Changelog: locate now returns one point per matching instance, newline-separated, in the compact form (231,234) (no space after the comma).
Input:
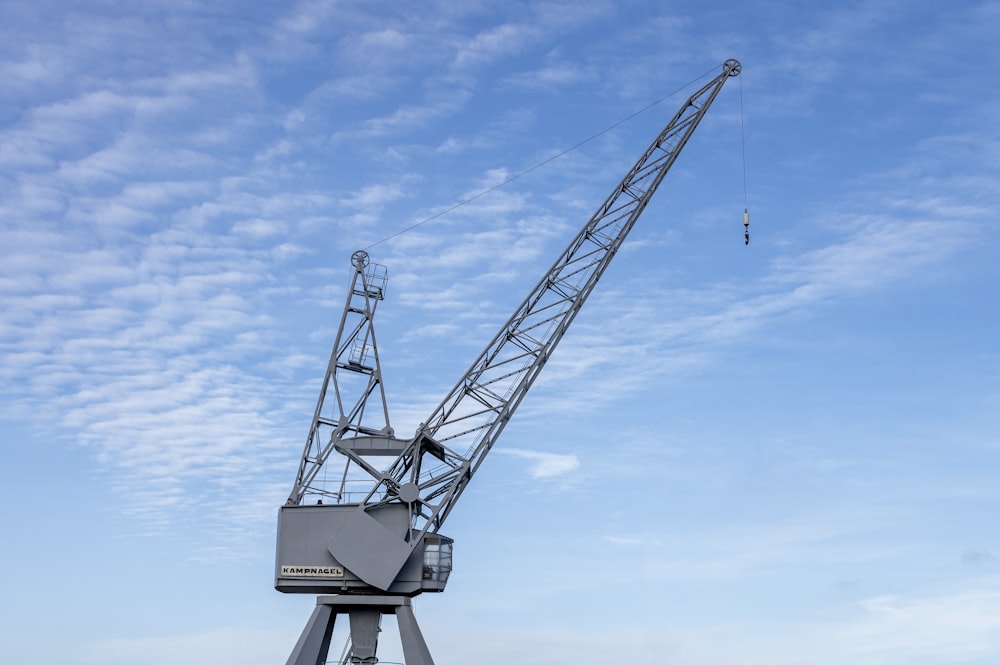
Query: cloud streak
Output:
(545,465)
(163,227)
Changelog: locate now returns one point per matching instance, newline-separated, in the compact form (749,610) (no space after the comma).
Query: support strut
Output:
(365,614)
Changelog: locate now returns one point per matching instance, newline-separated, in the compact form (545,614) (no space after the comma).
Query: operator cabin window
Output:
(437,561)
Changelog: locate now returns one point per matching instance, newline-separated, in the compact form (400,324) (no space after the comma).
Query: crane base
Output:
(364,613)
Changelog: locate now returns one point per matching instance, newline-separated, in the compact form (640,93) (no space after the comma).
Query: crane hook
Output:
(746,227)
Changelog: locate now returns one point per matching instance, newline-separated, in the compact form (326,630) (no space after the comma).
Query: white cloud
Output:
(137,260)
(956,626)
(374,196)
(624,540)
(494,43)
(551,77)
(260,228)
(407,117)
(545,465)
(220,646)
(670,330)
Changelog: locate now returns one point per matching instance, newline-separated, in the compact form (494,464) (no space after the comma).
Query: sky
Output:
(781,453)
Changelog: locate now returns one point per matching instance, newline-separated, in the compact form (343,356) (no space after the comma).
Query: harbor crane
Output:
(361,528)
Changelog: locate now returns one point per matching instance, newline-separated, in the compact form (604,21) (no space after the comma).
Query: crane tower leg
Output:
(365,615)
(415,651)
(314,643)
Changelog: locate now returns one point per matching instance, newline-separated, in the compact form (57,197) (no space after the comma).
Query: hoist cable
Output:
(743,154)
(743,145)
(542,163)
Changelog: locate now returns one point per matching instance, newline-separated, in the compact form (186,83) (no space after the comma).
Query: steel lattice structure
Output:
(463,428)
(371,534)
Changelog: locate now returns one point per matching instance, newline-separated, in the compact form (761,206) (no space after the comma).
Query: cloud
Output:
(374,196)
(131,349)
(435,330)
(143,216)
(955,626)
(551,77)
(494,43)
(979,558)
(545,465)
(668,331)
(407,117)
(221,646)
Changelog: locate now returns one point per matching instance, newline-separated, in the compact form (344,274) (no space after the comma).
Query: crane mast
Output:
(373,531)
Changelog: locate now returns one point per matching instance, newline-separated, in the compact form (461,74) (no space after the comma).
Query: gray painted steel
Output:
(310,538)
(374,529)
(365,614)
(314,643)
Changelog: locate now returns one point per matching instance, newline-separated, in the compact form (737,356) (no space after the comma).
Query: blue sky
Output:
(784,453)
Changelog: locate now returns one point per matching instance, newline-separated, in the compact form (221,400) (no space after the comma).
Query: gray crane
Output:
(367,540)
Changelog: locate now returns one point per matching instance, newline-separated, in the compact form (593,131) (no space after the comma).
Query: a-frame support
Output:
(364,613)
